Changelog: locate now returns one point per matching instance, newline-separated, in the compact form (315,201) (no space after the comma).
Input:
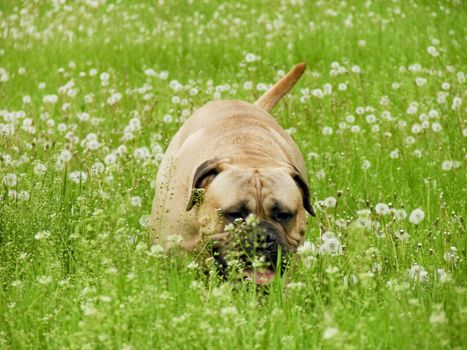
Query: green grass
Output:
(93,282)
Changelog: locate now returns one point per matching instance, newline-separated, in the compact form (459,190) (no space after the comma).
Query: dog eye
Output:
(283,217)
(234,215)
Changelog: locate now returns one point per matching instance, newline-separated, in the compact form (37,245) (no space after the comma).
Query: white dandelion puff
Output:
(331,246)
(327,130)
(400,214)
(394,154)
(317,93)
(65,156)
(78,177)
(23,196)
(10,180)
(145,220)
(250,57)
(418,273)
(446,165)
(330,333)
(307,248)
(416,216)
(456,102)
(432,51)
(366,164)
(44,280)
(42,235)
(330,202)
(136,201)
(382,209)
(436,127)
(420,81)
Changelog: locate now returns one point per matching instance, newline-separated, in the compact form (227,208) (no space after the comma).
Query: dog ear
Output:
(303,186)
(204,174)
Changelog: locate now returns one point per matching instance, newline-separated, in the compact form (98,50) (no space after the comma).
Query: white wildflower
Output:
(443,276)
(142,153)
(456,102)
(394,154)
(44,280)
(250,57)
(416,216)
(355,129)
(327,130)
(296,285)
(327,235)
(356,69)
(451,255)
(110,159)
(418,273)
(307,248)
(229,311)
(10,180)
(42,235)
(136,201)
(412,110)
(156,250)
(65,156)
(23,196)
(330,333)
(382,209)
(331,246)
(317,93)
(330,202)
(400,214)
(436,127)
(438,317)
(420,81)
(192,265)
(78,177)
(366,164)
(432,51)
(145,220)
(446,165)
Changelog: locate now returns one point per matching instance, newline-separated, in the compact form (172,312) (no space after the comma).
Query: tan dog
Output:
(246,163)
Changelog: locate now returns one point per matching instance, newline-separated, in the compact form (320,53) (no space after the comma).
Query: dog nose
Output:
(267,236)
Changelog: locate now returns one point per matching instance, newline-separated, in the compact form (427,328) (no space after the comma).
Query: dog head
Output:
(275,192)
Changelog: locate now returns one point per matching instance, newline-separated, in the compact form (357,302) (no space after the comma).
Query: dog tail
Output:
(281,88)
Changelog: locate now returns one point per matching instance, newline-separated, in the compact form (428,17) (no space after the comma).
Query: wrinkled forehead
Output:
(250,187)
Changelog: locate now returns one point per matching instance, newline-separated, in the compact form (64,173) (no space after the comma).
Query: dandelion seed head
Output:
(330,202)
(78,177)
(394,154)
(366,164)
(65,156)
(10,180)
(42,235)
(416,216)
(418,274)
(432,51)
(330,333)
(382,209)
(250,57)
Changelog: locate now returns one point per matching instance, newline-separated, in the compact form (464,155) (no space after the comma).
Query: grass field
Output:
(92,91)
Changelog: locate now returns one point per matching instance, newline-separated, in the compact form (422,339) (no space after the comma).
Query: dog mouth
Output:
(261,277)
(260,269)
(252,252)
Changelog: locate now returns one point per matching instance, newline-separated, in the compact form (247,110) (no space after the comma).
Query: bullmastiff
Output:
(231,159)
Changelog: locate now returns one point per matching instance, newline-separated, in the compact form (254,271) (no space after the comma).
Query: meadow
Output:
(91,92)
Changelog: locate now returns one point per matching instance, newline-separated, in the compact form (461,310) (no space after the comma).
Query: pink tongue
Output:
(260,276)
